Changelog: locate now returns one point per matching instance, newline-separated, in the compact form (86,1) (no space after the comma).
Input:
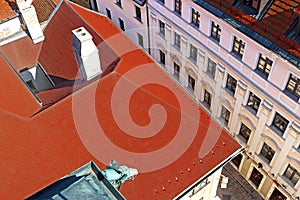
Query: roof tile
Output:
(62,137)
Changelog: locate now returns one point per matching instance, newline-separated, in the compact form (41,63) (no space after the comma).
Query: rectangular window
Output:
(121,22)
(264,65)
(162,28)
(162,57)
(195,17)
(138,14)
(176,70)
(211,68)
(276,194)
(292,174)
(231,84)
(161,1)
(293,87)
(215,31)
(108,13)
(177,40)
(191,83)
(178,7)
(280,123)
(193,53)
(36,78)
(267,152)
(245,132)
(237,160)
(253,102)
(119,3)
(238,47)
(225,115)
(141,40)
(256,177)
(252,3)
(207,98)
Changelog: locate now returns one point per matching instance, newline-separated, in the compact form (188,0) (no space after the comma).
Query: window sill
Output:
(237,56)
(163,65)
(192,60)
(194,26)
(190,90)
(162,36)
(242,139)
(119,5)
(261,74)
(210,75)
(291,95)
(223,123)
(177,14)
(138,19)
(206,105)
(251,110)
(231,93)
(288,181)
(276,130)
(176,77)
(176,47)
(161,3)
(215,40)
(265,161)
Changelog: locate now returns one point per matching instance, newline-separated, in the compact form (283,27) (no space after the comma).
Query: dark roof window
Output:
(294,32)
(36,78)
(255,8)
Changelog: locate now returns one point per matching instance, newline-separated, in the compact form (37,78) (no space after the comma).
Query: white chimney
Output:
(30,18)
(86,54)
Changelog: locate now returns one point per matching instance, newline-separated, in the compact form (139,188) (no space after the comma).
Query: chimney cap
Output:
(23,4)
(82,34)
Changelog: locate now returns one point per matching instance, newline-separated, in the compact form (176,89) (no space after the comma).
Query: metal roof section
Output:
(246,26)
(87,183)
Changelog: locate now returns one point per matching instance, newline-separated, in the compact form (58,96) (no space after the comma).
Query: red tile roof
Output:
(14,96)
(179,144)
(274,25)
(7,10)
(43,8)
(22,53)
(62,22)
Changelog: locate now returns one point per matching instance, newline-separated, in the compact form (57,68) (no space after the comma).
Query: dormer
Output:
(254,8)
(36,78)
(294,31)
(297,30)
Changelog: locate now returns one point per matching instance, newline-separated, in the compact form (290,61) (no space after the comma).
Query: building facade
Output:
(244,77)
(46,98)
(247,87)
(130,16)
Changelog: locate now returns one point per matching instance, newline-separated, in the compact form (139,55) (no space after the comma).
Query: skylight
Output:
(36,78)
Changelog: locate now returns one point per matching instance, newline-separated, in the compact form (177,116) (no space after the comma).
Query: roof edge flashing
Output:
(208,174)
